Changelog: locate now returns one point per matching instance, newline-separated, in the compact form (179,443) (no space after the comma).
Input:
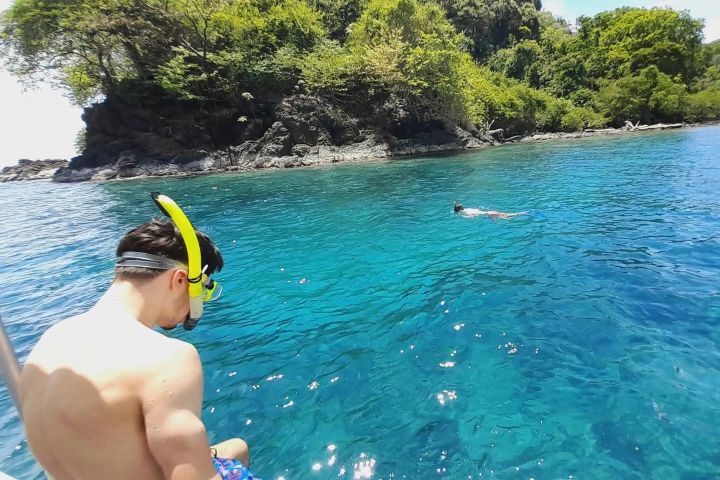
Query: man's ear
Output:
(179,279)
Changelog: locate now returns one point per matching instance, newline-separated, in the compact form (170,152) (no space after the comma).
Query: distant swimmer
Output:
(476,212)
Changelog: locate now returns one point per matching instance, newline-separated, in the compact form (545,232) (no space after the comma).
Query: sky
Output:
(707,9)
(41,123)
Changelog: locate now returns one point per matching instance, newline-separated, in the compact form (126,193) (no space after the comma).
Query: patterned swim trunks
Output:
(231,469)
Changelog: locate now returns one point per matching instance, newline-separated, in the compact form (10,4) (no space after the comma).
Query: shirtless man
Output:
(476,212)
(105,396)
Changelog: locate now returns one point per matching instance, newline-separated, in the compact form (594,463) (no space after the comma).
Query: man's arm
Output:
(171,405)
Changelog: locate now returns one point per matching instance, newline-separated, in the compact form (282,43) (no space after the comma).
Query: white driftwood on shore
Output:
(602,130)
(630,127)
(659,126)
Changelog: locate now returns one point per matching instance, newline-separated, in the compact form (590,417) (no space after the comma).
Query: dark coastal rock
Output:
(170,137)
(31,170)
(70,175)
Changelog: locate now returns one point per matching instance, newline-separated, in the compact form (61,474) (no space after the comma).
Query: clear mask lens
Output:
(211,289)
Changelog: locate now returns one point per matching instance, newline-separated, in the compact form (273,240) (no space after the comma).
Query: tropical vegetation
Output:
(475,63)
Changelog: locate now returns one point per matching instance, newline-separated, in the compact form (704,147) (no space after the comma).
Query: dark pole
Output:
(9,367)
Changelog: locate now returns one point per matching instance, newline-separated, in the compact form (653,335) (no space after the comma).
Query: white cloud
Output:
(555,7)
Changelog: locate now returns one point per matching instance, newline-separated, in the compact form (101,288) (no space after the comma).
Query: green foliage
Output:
(294,22)
(647,97)
(329,68)
(411,19)
(417,55)
(403,48)
(580,118)
(529,110)
(627,40)
(521,61)
(85,45)
(494,24)
(629,64)
(709,80)
(80,140)
(181,75)
(711,54)
(81,87)
(562,65)
(704,105)
(518,108)
(198,49)
(234,44)
(338,15)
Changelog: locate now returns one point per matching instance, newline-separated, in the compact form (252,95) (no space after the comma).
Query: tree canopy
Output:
(457,62)
(628,64)
(494,24)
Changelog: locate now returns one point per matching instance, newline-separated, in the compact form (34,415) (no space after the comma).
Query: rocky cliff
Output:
(127,139)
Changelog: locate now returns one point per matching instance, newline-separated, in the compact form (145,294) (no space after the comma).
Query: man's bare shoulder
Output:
(176,352)
(130,344)
(178,369)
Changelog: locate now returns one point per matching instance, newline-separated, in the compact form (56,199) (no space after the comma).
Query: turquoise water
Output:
(367,332)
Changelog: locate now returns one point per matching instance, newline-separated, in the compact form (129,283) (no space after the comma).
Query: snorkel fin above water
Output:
(195,274)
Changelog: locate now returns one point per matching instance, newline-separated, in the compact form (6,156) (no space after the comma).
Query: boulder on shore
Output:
(32,170)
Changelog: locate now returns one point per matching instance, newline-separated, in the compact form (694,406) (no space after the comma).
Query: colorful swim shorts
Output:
(231,469)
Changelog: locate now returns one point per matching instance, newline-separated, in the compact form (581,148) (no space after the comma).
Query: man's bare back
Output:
(90,381)
(103,395)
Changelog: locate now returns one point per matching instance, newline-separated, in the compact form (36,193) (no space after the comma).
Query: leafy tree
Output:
(338,15)
(703,105)
(555,62)
(408,50)
(627,40)
(88,46)
(522,61)
(710,79)
(231,46)
(415,60)
(329,69)
(711,54)
(199,49)
(647,97)
(494,24)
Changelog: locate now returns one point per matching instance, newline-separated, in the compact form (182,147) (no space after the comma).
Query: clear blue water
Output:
(366,329)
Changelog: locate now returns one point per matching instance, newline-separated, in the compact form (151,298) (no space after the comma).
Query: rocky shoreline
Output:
(167,137)
(32,170)
(258,155)
(276,149)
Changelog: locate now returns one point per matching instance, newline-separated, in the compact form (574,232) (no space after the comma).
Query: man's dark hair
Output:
(457,207)
(161,237)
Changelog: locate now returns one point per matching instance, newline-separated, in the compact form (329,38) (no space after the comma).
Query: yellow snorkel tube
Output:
(195,272)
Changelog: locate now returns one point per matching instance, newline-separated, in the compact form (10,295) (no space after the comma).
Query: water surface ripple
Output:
(367,332)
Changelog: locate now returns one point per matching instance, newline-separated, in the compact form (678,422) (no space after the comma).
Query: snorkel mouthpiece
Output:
(195,274)
(189,324)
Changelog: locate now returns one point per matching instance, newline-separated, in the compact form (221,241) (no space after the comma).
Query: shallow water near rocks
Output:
(366,331)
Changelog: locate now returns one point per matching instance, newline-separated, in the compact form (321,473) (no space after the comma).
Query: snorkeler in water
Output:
(476,212)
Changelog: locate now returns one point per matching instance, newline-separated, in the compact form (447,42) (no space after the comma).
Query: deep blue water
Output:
(366,329)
